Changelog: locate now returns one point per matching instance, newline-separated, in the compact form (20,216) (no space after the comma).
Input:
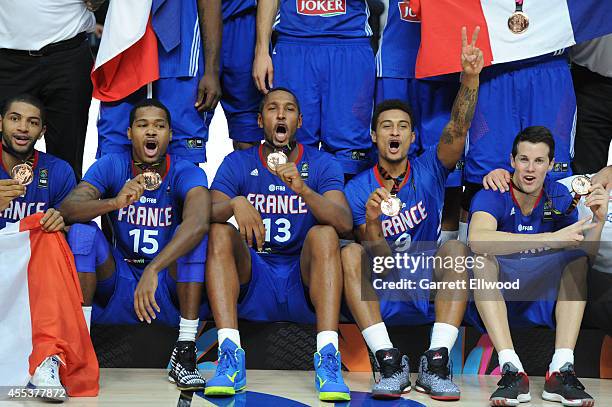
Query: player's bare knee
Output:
(323,240)
(486,267)
(220,238)
(352,256)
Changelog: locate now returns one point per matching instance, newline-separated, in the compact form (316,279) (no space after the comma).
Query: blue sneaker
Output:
(230,376)
(328,375)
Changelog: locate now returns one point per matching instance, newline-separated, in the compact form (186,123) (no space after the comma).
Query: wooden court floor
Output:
(149,387)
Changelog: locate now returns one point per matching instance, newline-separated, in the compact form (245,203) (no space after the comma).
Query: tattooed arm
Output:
(452,141)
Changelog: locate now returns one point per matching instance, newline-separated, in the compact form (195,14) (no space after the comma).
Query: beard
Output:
(23,156)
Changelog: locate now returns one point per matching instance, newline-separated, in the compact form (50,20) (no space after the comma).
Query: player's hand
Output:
(603,177)
(209,92)
(130,193)
(144,296)
(472,59)
(597,201)
(288,173)
(249,222)
(570,236)
(52,221)
(497,180)
(263,72)
(9,190)
(373,210)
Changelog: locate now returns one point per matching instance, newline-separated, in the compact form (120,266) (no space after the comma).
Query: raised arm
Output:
(211,31)
(84,204)
(263,72)
(452,140)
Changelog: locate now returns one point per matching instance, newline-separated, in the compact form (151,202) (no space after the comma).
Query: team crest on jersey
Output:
(304,171)
(406,12)
(43,178)
(321,8)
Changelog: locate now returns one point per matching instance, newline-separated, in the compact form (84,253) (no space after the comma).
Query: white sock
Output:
(377,337)
(188,328)
(561,357)
(326,337)
(447,235)
(443,336)
(463,232)
(230,333)
(87,315)
(509,355)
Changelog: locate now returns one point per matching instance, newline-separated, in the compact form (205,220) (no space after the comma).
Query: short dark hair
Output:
(30,100)
(148,103)
(277,89)
(535,134)
(391,104)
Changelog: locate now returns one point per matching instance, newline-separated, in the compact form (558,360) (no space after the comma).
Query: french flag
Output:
(553,26)
(40,309)
(127,58)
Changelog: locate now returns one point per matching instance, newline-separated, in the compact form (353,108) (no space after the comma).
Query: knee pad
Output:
(88,245)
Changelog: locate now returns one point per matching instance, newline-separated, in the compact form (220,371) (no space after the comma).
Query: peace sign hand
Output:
(472,59)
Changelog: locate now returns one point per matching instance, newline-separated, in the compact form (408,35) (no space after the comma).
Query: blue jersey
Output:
(141,230)
(177,27)
(422,196)
(323,18)
(285,215)
(548,214)
(53,180)
(232,8)
(399,42)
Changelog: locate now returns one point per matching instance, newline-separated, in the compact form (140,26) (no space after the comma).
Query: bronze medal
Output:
(23,173)
(391,206)
(152,180)
(581,185)
(518,22)
(275,159)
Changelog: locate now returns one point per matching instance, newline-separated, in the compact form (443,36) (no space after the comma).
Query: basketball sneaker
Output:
(564,387)
(183,367)
(230,376)
(394,374)
(328,375)
(47,376)
(436,376)
(513,387)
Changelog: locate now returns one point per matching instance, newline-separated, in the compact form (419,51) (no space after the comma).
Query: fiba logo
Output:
(406,13)
(525,228)
(273,188)
(144,199)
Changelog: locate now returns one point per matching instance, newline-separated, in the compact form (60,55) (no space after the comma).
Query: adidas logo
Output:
(388,356)
(512,212)
(255,173)
(437,356)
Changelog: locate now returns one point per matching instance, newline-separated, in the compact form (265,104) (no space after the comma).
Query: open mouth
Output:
(150,148)
(394,146)
(21,140)
(529,179)
(280,132)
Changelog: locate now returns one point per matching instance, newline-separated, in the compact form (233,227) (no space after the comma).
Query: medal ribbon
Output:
(518,6)
(284,149)
(396,181)
(28,160)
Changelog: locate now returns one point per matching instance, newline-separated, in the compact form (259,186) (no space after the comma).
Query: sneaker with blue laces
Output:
(230,376)
(328,375)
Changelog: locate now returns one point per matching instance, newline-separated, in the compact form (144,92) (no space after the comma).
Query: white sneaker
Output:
(46,376)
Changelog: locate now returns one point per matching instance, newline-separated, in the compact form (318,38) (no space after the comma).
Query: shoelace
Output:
(508,379)
(330,365)
(227,360)
(442,371)
(570,379)
(50,367)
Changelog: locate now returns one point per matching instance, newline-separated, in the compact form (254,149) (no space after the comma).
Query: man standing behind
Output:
(288,202)
(44,51)
(324,55)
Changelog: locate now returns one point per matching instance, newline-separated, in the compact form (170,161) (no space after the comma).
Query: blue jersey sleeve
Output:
(357,197)
(64,181)
(330,175)
(228,178)
(187,177)
(488,201)
(101,173)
